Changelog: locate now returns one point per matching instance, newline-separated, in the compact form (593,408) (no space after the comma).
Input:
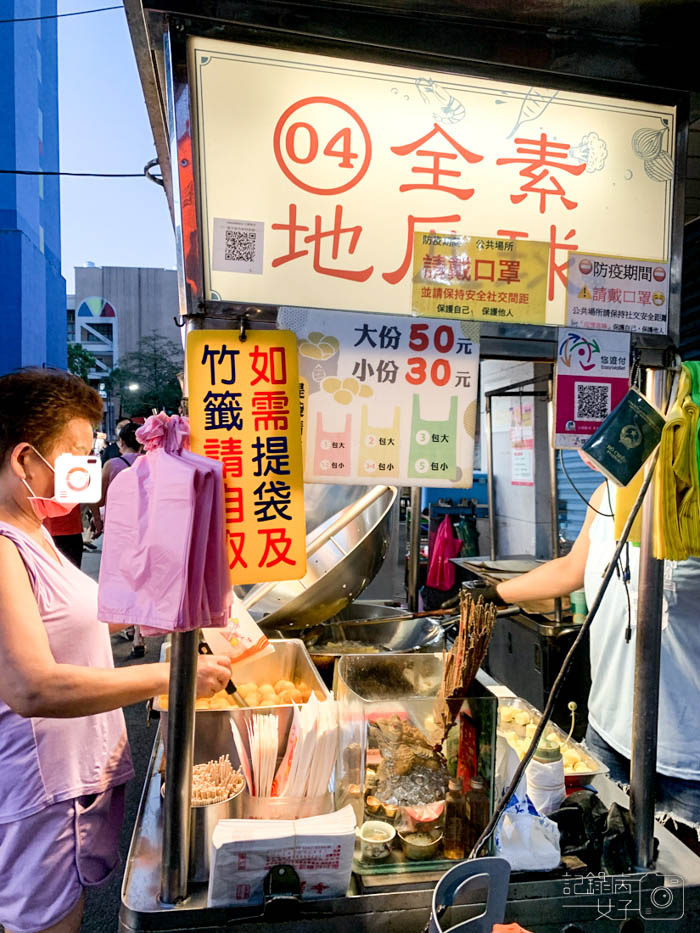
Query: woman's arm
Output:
(557,577)
(34,684)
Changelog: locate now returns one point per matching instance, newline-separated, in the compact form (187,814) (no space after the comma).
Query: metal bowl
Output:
(421,845)
(353,544)
(359,629)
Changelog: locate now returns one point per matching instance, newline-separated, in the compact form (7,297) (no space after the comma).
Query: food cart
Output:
(206,128)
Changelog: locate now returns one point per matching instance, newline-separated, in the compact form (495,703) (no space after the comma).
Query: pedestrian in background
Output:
(67,533)
(112,449)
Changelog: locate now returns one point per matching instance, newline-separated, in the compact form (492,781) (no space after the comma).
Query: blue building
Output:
(32,289)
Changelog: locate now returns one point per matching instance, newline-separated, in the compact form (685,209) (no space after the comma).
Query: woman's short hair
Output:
(36,404)
(127,435)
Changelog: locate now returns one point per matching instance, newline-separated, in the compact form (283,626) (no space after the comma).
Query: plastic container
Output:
(578,606)
(285,808)
(545,778)
(455,821)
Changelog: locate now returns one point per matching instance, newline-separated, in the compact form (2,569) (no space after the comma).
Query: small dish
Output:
(419,846)
(376,839)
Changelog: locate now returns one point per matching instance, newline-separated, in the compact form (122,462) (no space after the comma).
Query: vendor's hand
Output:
(213,673)
(477,588)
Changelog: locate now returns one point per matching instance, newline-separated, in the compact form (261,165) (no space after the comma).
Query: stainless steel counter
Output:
(543,905)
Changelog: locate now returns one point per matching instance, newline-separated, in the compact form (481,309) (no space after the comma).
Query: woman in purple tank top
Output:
(64,754)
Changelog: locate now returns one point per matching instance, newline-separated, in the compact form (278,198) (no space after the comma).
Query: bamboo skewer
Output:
(214,782)
(464,659)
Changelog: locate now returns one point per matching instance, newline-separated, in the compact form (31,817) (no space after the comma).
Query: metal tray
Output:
(212,729)
(573,778)
(289,661)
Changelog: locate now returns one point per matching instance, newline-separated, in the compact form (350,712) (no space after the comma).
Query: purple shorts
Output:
(48,858)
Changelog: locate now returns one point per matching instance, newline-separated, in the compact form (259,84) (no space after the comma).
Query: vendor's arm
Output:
(557,577)
(34,684)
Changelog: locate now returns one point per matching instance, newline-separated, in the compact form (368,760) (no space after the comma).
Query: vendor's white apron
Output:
(612,658)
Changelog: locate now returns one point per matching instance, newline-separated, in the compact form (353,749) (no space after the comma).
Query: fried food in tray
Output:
(281,693)
(517,720)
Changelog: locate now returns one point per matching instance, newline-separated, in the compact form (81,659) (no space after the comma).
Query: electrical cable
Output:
(556,686)
(32,19)
(18,171)
(623,574)
(578,491)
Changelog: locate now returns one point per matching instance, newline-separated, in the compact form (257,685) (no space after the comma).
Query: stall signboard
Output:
(613,293)
(244,412)
(522,444)
(318,178)
(386,399)
(481,278)
(592,376)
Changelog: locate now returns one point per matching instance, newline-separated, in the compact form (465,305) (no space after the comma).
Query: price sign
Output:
(386,399)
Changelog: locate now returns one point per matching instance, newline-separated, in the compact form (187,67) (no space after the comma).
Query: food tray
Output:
(573,778)
(212,728)
(289,661)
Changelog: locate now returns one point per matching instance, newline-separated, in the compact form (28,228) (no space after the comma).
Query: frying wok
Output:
(343,555)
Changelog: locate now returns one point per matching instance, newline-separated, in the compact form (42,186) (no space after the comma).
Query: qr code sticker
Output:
(591,401)
(238,246)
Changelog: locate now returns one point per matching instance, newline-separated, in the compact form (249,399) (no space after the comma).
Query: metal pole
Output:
(553,492)
(183,648)
(489,480)
(178,766)
(646,676)
(414,550)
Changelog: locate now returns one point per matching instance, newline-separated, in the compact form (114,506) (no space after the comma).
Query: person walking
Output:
(67,533)
(64,752)
(111,450)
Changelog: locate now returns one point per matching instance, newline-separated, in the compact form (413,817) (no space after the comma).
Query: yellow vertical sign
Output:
(244,412)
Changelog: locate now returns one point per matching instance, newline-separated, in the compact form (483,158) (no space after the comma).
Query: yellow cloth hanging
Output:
(625,497)
(677,492)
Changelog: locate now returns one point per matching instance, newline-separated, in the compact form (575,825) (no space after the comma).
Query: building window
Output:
(41,186)
(40,124)
(38,64)
(41,239)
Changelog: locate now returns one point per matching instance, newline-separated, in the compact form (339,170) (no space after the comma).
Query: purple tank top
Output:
(43,761)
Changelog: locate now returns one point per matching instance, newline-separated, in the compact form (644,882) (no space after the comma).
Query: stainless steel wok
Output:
(343,555)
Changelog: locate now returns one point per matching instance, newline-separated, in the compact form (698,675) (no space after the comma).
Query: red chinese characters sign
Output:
(316,199)
(244,412)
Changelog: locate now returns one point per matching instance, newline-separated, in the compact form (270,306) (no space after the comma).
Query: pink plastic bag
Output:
(441,571)
(164,557)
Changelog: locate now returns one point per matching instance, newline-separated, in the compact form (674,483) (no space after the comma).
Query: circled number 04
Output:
(341,139)
(440,371)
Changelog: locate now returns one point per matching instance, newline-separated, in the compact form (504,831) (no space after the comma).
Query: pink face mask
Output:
(43,507)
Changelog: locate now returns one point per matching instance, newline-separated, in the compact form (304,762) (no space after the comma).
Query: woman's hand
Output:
(213,673)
